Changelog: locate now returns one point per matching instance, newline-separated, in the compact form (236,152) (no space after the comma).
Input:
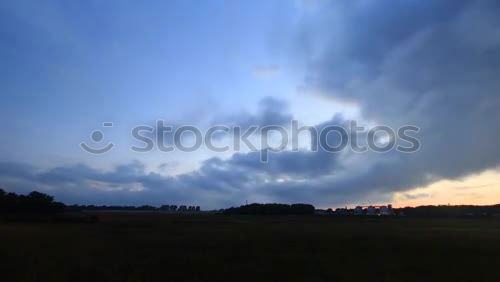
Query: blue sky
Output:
(70,66)
(67,67)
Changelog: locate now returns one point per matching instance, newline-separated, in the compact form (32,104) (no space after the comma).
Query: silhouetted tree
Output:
(34,202)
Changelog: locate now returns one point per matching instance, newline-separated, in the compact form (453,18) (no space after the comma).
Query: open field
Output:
(162,247)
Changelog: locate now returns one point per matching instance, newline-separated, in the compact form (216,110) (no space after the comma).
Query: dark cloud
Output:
(270,111)
(286,177)
(430,64)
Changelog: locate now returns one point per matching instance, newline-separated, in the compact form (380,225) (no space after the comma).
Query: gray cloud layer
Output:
(432,64)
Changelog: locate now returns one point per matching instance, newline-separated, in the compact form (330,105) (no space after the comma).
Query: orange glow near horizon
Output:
(478,189)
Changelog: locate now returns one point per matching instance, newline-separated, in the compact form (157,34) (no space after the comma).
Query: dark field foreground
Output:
(161,247)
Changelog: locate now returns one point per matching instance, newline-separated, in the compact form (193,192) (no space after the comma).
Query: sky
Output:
(67,67)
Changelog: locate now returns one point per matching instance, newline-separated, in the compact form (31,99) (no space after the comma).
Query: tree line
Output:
(34,202)
(450,211)
(40,203)
(272,209)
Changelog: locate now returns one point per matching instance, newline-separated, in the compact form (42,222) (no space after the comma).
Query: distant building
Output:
(341,212)
(320,212)
(358,210)
(386,210)
(371,210)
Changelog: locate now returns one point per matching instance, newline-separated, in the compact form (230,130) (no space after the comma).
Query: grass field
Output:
(162,247)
